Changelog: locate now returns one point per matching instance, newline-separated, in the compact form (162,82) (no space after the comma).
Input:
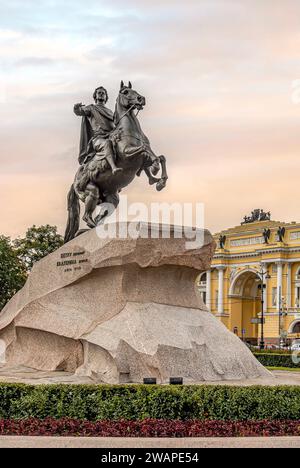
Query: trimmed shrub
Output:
(142,402)
(276,360)
(271,351)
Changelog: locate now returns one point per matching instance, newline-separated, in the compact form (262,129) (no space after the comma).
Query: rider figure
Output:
(97,124)
(96,148)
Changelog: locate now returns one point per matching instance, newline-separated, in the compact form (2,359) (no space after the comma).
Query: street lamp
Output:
(263,275)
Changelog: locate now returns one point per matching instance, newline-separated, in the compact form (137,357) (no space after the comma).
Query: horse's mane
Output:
(116,116)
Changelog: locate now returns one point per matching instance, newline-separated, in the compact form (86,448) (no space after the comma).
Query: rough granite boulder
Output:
(121,309)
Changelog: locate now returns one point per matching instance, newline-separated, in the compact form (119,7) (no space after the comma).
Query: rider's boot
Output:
(111,162)
(110,157)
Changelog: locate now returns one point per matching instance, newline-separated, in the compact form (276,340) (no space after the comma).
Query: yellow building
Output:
(259,255)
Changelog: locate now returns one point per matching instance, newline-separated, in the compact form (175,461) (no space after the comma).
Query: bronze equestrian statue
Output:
(113,150)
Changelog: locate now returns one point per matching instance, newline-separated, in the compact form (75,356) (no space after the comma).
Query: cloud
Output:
(217,76)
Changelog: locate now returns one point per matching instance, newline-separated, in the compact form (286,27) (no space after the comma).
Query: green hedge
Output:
(271,351)
(138,402)
(276,360)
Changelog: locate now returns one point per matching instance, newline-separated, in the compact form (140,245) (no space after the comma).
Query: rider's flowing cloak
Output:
(86,132)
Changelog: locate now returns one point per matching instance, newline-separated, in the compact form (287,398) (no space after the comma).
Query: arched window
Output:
(297,298)
(295,327)
(203,279)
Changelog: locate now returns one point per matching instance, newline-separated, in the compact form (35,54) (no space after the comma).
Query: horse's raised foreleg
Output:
(152,170)
(152,180)
(163,162)
(164,175)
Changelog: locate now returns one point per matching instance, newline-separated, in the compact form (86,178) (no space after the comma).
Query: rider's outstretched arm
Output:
(81,110)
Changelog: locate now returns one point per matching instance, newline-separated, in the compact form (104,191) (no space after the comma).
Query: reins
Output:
(128,110)
(125,113)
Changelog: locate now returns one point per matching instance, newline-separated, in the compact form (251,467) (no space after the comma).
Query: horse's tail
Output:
(73,216)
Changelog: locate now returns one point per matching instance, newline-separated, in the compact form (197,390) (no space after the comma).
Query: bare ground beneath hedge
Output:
(32,376)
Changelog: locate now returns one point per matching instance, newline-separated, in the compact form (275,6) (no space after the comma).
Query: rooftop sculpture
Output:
(257,215)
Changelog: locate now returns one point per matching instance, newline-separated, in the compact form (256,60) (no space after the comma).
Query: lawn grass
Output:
(287,369)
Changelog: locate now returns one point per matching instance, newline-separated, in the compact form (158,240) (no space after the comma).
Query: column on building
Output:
(289,285)
(208,289)
(265,294)
(296,302)
(221,269)
(279,285)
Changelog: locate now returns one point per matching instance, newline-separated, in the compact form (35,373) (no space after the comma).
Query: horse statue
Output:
(97,184)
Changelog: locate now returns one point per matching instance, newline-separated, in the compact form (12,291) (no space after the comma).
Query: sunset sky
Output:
(218,77)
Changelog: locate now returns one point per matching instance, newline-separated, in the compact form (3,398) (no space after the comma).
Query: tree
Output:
(12,271)
(37,243)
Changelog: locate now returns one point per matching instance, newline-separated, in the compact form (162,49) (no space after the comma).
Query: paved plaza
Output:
(31,376)
(111,442)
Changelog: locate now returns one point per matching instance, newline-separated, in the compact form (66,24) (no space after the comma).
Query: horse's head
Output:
(129,98)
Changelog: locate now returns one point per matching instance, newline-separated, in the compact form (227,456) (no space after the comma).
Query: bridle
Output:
(127,112)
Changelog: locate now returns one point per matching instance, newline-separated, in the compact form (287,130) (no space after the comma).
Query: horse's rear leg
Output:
(91,200)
